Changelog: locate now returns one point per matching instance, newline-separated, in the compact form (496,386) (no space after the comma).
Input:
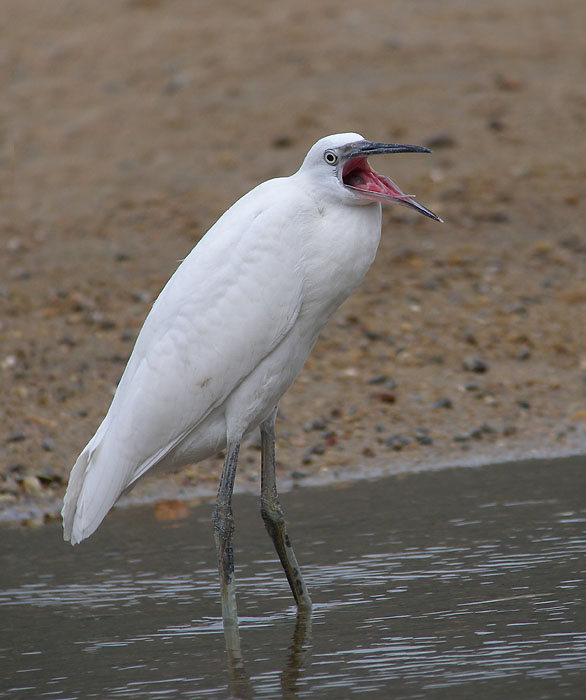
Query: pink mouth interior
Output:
(360,176)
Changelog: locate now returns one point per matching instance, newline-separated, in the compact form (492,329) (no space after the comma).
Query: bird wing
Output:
(229,304)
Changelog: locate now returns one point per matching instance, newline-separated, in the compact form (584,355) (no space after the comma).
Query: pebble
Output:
(315,425)
(443,139)
(422,436)
(319,448)
(371,335)
(397,442)
(31,485)
(444,402)
(298,475)
(476,433)
(378,379)
(282,142)
(473,363)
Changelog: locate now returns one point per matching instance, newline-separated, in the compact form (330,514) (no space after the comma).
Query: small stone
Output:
(444,402)
(498,217)
(47,445)
(330,438)
(508,83)
(442,139)
(298,475)
(509,430)
(282,142)
(31,485)
(397,442)
(68,340)
(473,363)
(496,124)
(143,297)
(319,448)
(16,437)
(20,273)
(387,397)
(524,404)
(371,335)
(378,379)
(422,436)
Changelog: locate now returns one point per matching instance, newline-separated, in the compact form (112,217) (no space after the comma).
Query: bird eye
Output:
(330,158)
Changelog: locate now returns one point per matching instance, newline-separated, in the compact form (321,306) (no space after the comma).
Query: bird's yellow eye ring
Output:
(330,158)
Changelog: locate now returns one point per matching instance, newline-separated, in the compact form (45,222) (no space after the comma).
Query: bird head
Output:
(340,165)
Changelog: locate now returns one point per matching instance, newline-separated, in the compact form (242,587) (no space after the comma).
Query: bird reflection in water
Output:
(240,684)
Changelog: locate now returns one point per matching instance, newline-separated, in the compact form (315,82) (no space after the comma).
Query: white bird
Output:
(230,332)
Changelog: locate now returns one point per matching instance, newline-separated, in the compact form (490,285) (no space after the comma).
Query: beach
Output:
(130,127)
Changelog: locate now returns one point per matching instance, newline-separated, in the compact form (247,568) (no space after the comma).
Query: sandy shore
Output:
(131,126)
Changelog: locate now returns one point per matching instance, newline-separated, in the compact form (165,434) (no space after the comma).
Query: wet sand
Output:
(131,126)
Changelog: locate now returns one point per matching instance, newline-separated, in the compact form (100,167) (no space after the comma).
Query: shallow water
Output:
(448,584)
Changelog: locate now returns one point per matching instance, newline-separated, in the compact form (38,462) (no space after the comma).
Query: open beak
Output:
(358,176)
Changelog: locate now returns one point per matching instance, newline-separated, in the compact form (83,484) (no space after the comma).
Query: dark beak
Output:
(373,148)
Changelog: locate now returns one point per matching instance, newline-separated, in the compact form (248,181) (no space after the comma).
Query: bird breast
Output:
(336,257)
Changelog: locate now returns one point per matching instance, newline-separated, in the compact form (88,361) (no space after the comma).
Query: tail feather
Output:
(70,502)
(90,493)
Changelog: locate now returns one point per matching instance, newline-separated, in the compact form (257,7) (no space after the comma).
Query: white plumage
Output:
(235,323)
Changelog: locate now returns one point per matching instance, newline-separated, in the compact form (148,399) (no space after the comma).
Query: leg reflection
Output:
(299,645)
(240,686)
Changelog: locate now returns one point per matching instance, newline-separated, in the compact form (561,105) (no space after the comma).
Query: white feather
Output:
(229,332)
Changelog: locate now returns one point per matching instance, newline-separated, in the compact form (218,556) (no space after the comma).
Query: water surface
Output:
(448,584)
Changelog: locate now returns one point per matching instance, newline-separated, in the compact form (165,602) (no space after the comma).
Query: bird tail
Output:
(83,507)
(69,510)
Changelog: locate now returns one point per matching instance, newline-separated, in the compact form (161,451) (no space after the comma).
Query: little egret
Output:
(230,332)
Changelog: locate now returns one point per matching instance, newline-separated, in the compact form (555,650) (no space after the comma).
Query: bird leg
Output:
(273,517)
(223,530)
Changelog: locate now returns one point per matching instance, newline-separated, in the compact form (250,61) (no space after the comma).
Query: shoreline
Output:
(153,491)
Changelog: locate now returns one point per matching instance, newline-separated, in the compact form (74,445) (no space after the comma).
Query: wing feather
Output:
(229,304)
